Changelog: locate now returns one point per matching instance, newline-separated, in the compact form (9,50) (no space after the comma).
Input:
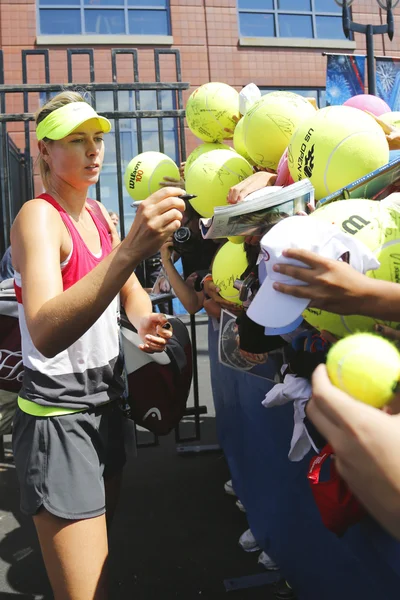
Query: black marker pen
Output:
(185,197)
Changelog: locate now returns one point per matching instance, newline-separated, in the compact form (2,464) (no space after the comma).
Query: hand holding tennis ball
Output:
(365,366)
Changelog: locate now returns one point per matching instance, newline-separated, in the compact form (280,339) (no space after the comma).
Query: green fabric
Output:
(36,410)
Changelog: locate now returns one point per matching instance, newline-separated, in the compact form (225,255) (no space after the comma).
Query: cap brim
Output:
(283,330)
(64,120)
(271,308)
(63,131)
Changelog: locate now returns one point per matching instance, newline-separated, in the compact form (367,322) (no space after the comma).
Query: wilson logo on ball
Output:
(135,176)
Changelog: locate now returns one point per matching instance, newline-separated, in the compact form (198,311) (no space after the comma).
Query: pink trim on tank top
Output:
(82,260)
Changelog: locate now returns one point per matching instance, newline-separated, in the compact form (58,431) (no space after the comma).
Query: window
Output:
(320,19)
(317,93)
(104,17)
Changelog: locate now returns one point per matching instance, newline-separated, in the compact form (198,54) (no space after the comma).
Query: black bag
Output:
(159,383)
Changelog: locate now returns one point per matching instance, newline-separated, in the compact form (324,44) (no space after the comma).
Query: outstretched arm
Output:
(366,442)
(335,286)
(57,318)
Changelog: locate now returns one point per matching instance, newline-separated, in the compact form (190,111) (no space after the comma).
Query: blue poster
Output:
(345,77)
(388,81)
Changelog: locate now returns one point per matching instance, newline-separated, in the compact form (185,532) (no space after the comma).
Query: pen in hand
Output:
(185,197)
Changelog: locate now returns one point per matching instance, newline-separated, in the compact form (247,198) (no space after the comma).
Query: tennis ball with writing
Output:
(365,366)
(229,264)
(336,146)
(211,176)
(210,110)
(238,142)
(269,124)
(145,171)
(206,147)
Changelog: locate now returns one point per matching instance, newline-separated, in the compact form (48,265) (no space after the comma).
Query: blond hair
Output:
(58,101)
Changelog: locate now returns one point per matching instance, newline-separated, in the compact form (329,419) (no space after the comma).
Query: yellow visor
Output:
(62,121)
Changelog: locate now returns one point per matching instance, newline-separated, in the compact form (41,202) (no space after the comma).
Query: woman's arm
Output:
(335,286)
(191,300)
(254,182)
(134,298)
(57,318)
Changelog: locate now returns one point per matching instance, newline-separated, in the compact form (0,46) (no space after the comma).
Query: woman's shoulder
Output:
(38,213)
(38,206)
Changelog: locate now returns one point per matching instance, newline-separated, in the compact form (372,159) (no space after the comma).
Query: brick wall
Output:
(205,31)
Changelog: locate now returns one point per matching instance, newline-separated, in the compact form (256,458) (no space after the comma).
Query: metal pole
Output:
(370,60)
(369,31)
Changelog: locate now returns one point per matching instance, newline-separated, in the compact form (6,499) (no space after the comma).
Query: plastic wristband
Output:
(208,277)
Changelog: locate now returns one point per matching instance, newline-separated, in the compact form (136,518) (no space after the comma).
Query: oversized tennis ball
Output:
(391,118)
(145,171)
(228,265)
(336,146)
(210,110)
(378,227)
(369,102)
(365,366)
(211,176)
(238,142)
(206,147)
(270,123)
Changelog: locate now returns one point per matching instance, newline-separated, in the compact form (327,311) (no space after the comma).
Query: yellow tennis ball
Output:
(270,123)
(236,239)
(336,146)
(211,176)
(206,147)
(145,171)
(391,118)
(228,265)
(238,142)
(210,110)
(365,366)
(378,227)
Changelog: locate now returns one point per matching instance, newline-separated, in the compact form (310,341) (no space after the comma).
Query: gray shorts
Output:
(62,462)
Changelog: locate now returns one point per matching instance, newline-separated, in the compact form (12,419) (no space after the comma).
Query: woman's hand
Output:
(392,133)
(366,442)
(212,291)
(257,181)
(332,285)
(152,333)
(166,251)
(231,131)
(157,218)
(172,182)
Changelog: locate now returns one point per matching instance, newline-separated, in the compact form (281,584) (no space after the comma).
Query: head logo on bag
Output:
(159,384)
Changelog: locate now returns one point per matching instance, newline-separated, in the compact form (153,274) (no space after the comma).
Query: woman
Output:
(68,439)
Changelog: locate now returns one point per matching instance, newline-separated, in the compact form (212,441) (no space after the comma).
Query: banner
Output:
(388,81)
(345,77)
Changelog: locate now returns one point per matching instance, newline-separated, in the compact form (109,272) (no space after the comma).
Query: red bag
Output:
(338,507)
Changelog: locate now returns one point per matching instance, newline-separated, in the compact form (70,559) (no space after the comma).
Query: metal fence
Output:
(17,172)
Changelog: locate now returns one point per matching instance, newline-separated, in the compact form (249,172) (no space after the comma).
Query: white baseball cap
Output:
(274,309)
